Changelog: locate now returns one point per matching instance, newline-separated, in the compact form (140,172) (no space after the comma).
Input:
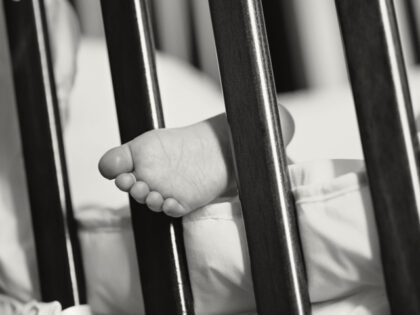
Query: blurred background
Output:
(304,37)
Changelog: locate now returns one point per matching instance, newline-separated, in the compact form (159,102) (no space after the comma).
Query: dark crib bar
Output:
(264,188)
(283,39)
(57,247)
(390,144)
(159,238)
(413,16)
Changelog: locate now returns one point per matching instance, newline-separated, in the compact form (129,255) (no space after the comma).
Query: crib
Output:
(377,74)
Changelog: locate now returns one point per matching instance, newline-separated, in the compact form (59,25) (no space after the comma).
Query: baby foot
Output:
(174,170)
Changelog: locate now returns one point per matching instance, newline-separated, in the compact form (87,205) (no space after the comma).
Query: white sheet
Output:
(325,128)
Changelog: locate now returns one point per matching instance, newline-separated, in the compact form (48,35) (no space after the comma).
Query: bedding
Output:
(334,207)
(337,230)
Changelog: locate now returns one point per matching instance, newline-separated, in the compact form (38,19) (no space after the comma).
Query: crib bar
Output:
(283,40)
(159,239)
(264,188)
(390,144)
(57,247)
(412,8)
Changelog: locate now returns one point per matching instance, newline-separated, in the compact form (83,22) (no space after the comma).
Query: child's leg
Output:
(178,170)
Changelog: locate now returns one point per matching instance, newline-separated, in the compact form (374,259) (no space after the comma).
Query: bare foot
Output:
(178,170)
(174,170)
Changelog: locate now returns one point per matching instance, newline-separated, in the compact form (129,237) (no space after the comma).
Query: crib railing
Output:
(57,248)
(386,122)
(264,188)
(412,7)
(390,144)
(159,239)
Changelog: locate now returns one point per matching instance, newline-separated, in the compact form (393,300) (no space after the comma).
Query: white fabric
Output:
(214,279)
(326,124)
(184,92)
(10,306)
(110,261)
(77,310)
(336,227)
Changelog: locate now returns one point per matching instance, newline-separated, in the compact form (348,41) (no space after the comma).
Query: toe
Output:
(139,191)
(116,161)
(125,181)
(173,208)
(154,201)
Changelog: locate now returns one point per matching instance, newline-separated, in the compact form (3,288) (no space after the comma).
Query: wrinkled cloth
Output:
(10,306)
(337,230)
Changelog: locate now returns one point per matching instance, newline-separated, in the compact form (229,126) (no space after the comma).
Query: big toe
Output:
(116,161)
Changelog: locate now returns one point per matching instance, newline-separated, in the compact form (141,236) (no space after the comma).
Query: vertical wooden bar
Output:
(391,148)
(195,58)
(412,8)
(57,247)
(159,239)
(264,188)
(283,40)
